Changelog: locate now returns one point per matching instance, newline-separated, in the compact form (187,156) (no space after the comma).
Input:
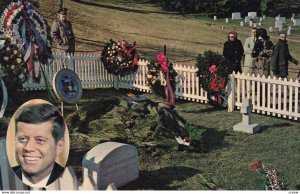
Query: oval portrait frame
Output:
(67,86)
(60,159)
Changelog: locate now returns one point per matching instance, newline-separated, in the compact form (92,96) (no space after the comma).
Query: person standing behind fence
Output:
(233,51)
(62,33)
(262,51)
(281,57)
(248,48)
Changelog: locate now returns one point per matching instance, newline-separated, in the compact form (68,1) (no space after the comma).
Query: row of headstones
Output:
(106,166)
(251,15)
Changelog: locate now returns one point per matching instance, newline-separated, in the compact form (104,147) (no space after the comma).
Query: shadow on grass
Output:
(122,8)
(297,187)
(207,110)
(266,127)
(161,179)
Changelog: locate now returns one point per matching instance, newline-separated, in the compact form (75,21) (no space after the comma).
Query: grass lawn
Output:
(225,164)
(186,35)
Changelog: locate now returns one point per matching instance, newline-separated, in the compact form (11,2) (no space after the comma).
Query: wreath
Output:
(120,57)
(154,79)
(14,69)
(213,71)
(23,25)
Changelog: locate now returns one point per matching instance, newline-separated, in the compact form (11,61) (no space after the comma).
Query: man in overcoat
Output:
(281,57)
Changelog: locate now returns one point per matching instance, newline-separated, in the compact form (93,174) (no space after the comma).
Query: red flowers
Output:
(256,165)
(213,68)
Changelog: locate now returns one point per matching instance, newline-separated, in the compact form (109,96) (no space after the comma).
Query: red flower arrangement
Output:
(256,165)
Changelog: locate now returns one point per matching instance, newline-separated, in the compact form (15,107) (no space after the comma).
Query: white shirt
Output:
(42,183)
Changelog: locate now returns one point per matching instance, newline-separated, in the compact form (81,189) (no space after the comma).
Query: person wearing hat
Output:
(62,33)
(233,51)
(262,51)
(281,57)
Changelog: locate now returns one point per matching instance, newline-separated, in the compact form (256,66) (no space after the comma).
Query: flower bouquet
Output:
(273,181)
(162,64)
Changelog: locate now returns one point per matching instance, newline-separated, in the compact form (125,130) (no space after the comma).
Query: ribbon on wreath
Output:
(217,84)
(162,59)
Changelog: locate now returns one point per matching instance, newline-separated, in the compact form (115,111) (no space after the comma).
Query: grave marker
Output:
(245,125)
(242,24)
(247,19)
(270,29)
(236,16)
(252,14)
(111,162)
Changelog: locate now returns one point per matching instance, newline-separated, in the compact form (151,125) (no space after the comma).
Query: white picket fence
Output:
(269,95)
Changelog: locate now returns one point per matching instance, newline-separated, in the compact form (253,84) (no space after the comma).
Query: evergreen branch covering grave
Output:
(151,126)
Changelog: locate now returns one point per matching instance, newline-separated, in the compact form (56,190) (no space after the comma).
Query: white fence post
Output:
(231,92)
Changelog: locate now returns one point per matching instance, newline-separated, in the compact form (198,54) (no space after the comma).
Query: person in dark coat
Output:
(281,57)
(62,33)
(262,51)
(233,51)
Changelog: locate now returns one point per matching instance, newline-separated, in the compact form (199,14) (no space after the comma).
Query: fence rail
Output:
(270,96)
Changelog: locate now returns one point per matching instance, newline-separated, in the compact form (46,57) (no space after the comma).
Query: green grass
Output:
(167,166)
(186,35)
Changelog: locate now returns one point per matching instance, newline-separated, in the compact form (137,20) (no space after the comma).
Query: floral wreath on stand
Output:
(27,44)
(213,71)
(120,57)
(164,88)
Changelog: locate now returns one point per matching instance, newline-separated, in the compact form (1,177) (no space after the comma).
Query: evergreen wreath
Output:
(120,57)
(213,72)
(154,78)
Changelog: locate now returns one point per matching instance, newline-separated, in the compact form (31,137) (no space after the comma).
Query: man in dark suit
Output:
(40,132)
(281,57)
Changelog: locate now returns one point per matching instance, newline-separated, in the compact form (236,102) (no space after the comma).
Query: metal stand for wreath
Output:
(62,108)
(116,82)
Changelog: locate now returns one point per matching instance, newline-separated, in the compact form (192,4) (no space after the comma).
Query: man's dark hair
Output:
(39,113)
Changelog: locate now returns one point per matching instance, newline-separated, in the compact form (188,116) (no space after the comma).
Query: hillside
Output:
(186,36)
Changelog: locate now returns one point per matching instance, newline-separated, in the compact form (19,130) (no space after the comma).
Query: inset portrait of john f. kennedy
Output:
(37,143)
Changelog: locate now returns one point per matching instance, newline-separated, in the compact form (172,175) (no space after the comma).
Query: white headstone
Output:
(252,14)
(260,19)
(245,125)
(296,22)
(289,32)
(222,27)
(280,28)
(111,162)
(242,24)
(226,20)
(290,28)
(215,17)
(254,25)
(247,19)
(236,16)
(278,24)
(270,29)
(282,19)
(264,17)
(259,23)
(292,18)
(251,23)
